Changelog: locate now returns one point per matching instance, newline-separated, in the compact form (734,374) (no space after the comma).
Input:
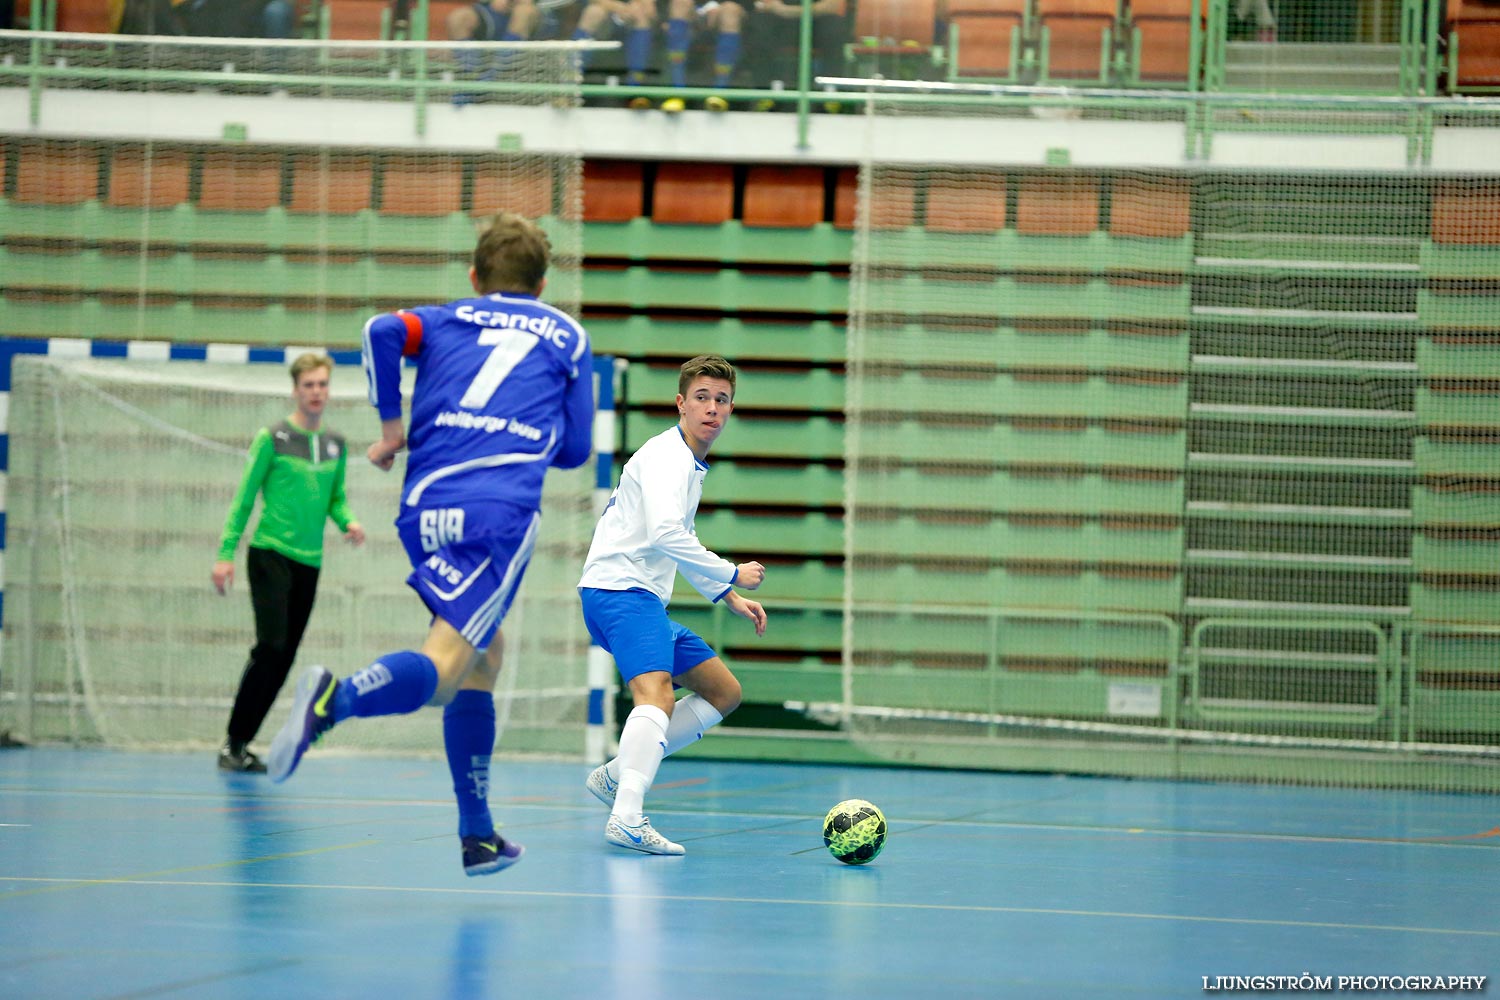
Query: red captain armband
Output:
(413,333)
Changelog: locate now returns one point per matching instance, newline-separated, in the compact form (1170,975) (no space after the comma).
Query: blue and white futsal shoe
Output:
(641,837)
(602,785)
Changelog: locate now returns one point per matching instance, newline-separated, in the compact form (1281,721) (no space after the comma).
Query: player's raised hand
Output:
(223,576)
(746,608)
(750,576)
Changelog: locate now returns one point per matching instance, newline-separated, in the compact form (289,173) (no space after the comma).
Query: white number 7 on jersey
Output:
(510,347)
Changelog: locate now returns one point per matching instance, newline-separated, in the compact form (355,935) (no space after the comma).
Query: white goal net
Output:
(121,473)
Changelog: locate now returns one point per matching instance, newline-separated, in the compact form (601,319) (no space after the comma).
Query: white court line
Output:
(857,904)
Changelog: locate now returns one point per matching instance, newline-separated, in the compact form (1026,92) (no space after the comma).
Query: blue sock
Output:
(679,37)
(469,738)
(395,684)
(579,35)
(726,55)
(637,53)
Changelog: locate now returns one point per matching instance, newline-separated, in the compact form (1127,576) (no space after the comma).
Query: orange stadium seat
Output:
(891,24)
(973,203)
(57,173)
(155,178)
(421,186)
(699,194)
(1466,213)
(1058,206)
(845,198)
(1474,28)
(96,16)
(1076,31)
(357,19)
(893,202)
(335,184)
(1156,207)
(500,190)
(613,190)
(984,29)
(240,181)
(788,197)
(1166,32)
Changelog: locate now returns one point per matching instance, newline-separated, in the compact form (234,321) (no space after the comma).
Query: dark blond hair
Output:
(511,256)
(705,366)
(305,363)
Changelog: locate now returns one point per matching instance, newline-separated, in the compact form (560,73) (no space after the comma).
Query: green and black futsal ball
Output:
(854,831)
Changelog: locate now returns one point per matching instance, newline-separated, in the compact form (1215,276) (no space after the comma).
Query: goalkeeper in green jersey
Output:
(298,465)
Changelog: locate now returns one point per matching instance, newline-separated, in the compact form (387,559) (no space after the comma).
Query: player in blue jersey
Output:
(642,541)
(504,390)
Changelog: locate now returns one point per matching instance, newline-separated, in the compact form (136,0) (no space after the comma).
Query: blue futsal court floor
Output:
(133,875)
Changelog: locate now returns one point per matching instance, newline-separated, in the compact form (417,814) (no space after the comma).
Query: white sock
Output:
(643,742)
(691,718)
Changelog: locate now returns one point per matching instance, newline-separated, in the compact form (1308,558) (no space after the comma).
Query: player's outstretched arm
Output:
(746,608)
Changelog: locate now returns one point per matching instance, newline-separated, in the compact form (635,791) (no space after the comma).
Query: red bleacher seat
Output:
(1466,213)
(895,27)
(1155,207)
(335,184)
(699,194)
(154,178)
(845,198)
(96,16)
(1474,29)
(421,186)
(361,19)
(1058,206)
(971,203)
(240,181)
(525,192)
(613,190)
(788,197)
(1166,30)
(57,173)
(1076,32)
(984,29)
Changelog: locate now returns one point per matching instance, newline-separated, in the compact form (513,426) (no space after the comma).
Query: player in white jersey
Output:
(643,539)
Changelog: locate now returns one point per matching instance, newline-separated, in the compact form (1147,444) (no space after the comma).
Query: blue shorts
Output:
(633,627)
(467,562)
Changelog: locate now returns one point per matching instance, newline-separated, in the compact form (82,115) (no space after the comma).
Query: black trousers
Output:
(282,592)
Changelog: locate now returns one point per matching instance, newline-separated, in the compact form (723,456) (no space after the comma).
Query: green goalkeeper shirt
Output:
(301,474)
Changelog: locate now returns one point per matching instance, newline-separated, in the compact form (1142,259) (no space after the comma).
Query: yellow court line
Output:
(870,905)
(149,878)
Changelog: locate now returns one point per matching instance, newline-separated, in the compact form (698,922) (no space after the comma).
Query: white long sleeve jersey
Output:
(645,535)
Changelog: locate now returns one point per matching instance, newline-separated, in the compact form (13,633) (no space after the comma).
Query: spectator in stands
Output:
(636,20)
(298,466)
(209,18)
(726,18)
(492,21)
(778,37)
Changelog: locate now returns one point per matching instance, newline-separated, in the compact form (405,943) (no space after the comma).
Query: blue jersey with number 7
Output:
(504,390)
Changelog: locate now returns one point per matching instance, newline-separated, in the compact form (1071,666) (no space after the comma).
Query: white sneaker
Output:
(639,838)
(602,785)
